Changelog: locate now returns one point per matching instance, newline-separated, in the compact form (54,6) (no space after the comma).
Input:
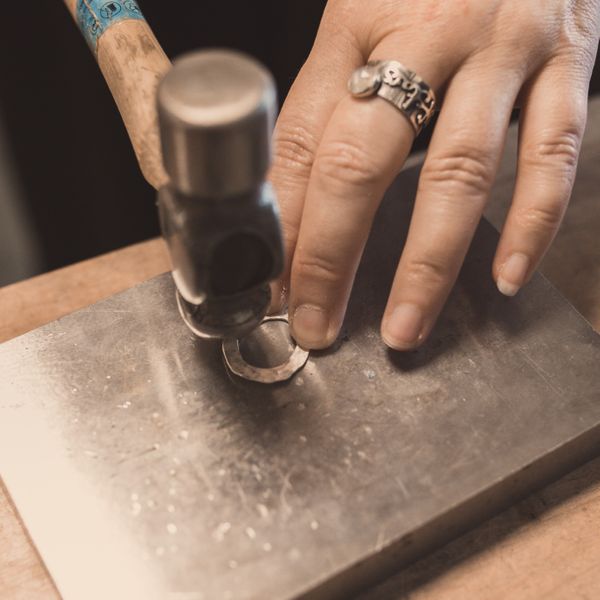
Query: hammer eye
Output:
(240,263)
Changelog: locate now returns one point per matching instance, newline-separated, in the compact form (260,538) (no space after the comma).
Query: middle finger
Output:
(364,146)
(455,183)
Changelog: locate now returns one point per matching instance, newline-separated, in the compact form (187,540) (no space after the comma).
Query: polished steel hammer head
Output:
(218,215)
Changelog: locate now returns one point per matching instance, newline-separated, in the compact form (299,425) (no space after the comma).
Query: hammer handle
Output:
(133,63)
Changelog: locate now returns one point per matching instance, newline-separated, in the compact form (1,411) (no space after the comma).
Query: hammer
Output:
(201,131)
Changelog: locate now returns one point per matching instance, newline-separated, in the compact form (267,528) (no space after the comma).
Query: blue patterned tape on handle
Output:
(94,17)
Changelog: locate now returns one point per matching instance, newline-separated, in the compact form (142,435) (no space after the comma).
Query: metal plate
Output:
(142,470)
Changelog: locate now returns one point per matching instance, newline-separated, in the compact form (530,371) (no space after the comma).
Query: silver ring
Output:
(238,365)
(403,88)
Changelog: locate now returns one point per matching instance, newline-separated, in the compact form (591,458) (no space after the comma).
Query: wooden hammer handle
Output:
(133,63)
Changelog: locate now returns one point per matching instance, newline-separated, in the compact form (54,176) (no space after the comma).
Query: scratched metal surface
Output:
(143,471)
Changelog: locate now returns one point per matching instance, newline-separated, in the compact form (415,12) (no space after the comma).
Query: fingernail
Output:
(513,273)
(403,329)
(310,325)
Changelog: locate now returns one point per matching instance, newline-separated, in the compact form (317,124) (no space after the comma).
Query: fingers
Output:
(313,98)
(552,124)
(363,148)
(361,151)
(455,184)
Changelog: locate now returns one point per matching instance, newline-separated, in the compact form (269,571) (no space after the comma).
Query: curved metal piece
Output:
(240,367)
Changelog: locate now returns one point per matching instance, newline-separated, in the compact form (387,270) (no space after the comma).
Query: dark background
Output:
(74,162)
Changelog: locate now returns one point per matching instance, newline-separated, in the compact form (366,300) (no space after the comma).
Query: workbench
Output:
(545,546)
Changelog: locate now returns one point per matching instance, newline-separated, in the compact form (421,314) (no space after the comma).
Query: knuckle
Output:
(543,218)
(346,163)
(528,26)
(464,166)
(427,270)
(557,150)
(524,17)
(520,31)
(316,268)
(571,64)
(294,147)
(338,25)
(581,26)
(576,57)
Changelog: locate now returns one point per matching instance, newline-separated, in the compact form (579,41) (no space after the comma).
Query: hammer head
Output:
(218,215)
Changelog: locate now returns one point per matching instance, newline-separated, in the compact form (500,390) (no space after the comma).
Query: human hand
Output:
(335,155)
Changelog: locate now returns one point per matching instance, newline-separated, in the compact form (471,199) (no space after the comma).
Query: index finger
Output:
(311,102)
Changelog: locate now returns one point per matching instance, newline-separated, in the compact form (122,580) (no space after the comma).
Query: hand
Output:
(336,155)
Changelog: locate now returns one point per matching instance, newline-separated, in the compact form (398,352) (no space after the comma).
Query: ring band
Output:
(403,88)
(238,365)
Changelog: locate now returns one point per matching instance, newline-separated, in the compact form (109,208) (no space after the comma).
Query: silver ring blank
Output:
(238,365)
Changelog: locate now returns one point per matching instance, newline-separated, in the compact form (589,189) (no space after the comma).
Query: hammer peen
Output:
(201,131)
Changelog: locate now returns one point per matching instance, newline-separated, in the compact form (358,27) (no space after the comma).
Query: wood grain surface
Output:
(30,304)
(547,546)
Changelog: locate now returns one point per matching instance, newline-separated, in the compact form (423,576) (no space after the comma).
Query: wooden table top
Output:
(547,546)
